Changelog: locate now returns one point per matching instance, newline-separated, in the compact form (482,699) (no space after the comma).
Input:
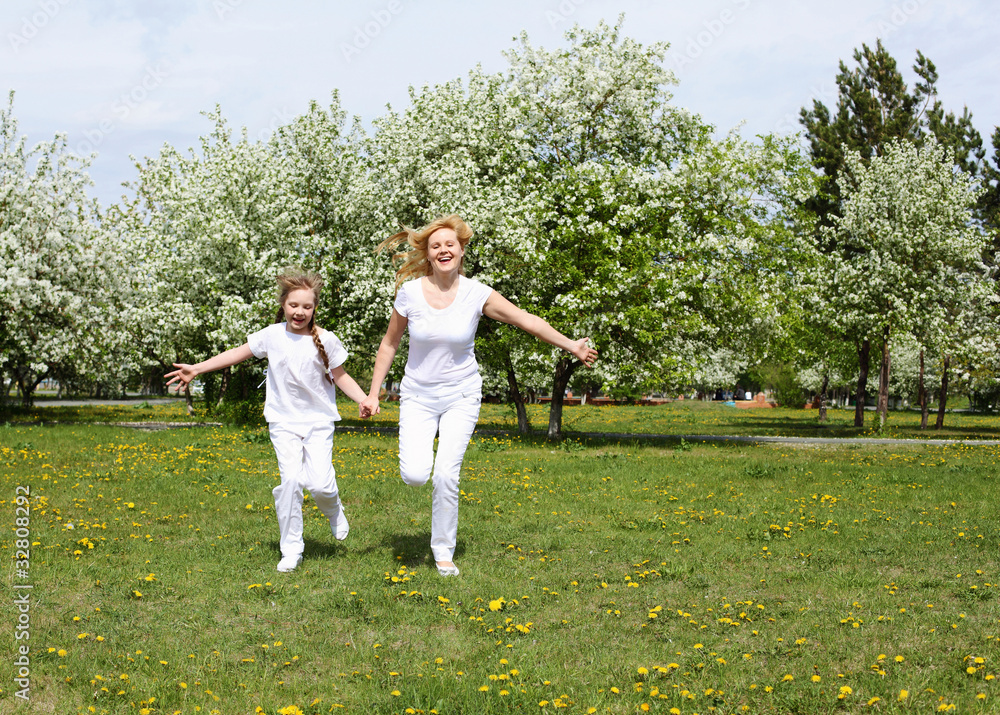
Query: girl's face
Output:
(299,307)
(444,252)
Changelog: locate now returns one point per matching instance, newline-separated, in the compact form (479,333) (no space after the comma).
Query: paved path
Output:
(806,441)
(128,402)
(803,441)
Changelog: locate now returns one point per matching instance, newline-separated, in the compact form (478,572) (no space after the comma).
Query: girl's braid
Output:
(322,352)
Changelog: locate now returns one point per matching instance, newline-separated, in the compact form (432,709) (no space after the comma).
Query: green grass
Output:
(595,574)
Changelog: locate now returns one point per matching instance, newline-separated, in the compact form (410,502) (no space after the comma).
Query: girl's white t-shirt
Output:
(441,354)
(296,388)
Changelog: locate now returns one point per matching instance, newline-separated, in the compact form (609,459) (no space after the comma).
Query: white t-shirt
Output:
(296,388)
(441,341)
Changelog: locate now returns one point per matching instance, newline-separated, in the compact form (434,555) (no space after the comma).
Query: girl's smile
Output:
(299,307)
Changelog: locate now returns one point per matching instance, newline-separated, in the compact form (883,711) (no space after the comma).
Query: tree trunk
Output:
(223,385)
(187,399)
(922,394)
(883,381)
(26,384)
(564,371)
(822,397)
(523,426)
(859,400)
(943,397)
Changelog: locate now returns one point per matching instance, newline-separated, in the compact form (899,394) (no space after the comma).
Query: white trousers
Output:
(305,461)
(452,418)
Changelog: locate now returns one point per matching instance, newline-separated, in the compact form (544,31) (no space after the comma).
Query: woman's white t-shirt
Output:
(441,354)
(296,388)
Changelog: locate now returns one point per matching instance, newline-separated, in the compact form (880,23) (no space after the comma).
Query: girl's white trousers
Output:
(453,418)
(305,461)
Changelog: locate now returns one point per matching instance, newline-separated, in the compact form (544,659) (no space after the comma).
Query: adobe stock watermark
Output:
(279,118)
(22,592)
(32,24)
(563,12)
(224,7)
(897,17)
(126,103)
(365,34)
(714,28)
(825,94)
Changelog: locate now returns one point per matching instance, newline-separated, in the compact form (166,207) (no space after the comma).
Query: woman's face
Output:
(444,252)
(299,307)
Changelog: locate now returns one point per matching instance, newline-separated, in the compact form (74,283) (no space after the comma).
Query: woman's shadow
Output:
(414,549)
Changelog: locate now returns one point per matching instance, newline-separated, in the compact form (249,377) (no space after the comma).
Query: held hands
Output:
(584,352)
(369,407)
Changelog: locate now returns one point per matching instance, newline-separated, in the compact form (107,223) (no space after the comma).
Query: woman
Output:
(442,389)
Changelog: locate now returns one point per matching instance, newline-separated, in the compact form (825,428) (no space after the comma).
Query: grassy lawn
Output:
(597,575)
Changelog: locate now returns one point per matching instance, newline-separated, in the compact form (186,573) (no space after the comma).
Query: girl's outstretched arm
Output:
(383,359)
(349,387)
(186,373)
(499,308)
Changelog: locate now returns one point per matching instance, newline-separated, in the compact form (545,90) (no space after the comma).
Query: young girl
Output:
(304,365)
(442,389)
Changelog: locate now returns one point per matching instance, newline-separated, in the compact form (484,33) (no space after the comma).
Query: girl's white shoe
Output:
(289,563)
(340,527)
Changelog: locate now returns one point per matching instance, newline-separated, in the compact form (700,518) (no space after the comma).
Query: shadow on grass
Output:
(415,549)
(314,549)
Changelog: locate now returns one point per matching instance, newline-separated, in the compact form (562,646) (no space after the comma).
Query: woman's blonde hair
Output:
(414,261)
(296,279)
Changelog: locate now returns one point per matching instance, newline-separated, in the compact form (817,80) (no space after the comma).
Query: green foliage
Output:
(782,381)
(246,412)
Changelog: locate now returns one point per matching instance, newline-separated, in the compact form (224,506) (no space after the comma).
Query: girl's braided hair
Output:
(295,279)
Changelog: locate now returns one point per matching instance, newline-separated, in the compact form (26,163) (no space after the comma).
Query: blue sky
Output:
(123,78)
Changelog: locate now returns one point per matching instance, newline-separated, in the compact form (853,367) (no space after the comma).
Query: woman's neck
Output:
(444,282)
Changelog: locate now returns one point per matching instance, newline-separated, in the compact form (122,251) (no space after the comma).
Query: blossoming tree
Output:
(60,269)
(908,249)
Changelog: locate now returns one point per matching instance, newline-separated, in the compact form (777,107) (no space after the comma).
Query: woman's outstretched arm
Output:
(499,308)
